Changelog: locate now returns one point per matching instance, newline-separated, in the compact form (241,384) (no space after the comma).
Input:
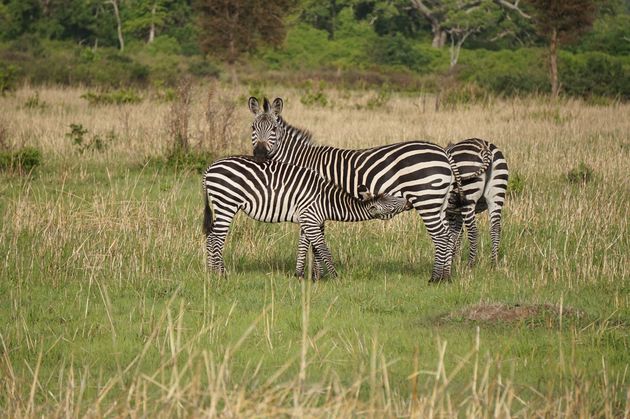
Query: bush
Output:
(516,184)
(8,78)
(398,50)
(594,74)
(34,102)
(116,97)
(506,72)
(23,160)
(204,68)
(312,97)
(581,174)
(180,160)
(82,143)
(381,98)
(463,94)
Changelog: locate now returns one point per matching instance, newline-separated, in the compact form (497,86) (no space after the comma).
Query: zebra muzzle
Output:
(260,153)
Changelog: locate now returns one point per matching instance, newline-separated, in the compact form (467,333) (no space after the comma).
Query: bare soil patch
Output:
(499,312)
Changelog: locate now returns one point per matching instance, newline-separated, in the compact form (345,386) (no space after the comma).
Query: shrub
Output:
(516,184)
(594,74)
(33,102)
(398,50)
(506,72)
(180,160)
(381,98)
(82,143)
(116,97)
(8,78)
(314,97)
(463,94)
(220,111)
(581,174)
(204,68)
(23,160)
(178,118)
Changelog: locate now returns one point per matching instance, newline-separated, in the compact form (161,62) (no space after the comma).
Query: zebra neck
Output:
(333,164)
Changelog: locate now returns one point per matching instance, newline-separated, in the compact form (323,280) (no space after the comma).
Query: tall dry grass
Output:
(137,231)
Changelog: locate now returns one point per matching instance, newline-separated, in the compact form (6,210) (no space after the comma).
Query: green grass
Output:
(105,303)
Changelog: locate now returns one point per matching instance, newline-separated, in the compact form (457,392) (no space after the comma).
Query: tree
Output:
(115,4)
(449,16)
(230,28)
(561,22)
(147,17)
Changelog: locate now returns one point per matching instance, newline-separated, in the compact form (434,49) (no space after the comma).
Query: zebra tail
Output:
(207,214)
(457,176)
(486,159)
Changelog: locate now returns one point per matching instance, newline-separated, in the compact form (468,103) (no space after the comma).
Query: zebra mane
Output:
(296,134)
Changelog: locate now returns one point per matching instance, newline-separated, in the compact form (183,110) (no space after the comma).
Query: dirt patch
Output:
(498,312)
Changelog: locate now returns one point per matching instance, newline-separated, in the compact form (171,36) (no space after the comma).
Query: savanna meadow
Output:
(107,122)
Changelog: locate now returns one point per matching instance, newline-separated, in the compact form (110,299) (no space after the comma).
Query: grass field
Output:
(106,308)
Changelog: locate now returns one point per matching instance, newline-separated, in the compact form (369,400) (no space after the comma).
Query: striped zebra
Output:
(275,192)
(416,170)
(484,178)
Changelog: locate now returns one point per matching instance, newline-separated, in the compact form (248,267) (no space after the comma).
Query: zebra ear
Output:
(364,193)
(253,105)
(266,105)
(277,105)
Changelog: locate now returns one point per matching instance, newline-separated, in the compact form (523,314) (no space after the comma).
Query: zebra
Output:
(484,178)
(275,192)
(419,171)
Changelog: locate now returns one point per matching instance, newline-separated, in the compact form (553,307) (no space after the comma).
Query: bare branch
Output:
(512,6)
(422,8)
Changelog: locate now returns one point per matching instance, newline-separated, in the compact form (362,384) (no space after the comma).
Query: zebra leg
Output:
(216,240)
(473,233)
(495,232)
(320,250)
(455,223)
(438,229)
(303,246)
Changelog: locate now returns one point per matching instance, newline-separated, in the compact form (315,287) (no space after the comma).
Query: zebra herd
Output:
(290,178)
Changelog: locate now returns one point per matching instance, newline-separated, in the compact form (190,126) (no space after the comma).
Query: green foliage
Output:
(307,47)
(581,174)
(23,160)
(163,93)
(381,98)
(116,97)
(610,34)
(314,97)
(164,45)
(204,68)
(35,103)
(506,72)
(7,78)
(595,74)
(516,184)
(397,50)
(180,160)
(463,94)
(95,143)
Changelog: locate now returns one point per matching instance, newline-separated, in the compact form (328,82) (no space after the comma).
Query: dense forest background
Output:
(476,47)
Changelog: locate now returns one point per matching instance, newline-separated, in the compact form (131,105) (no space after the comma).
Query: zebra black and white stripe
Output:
(484,177)
(418,171)
(276,192)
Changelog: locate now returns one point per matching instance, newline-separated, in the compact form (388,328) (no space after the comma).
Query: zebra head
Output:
(266,128)
(383,206)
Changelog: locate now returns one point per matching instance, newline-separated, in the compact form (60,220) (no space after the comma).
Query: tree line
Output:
(229,30)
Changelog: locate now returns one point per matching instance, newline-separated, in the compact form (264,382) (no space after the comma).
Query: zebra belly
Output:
(271,215)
